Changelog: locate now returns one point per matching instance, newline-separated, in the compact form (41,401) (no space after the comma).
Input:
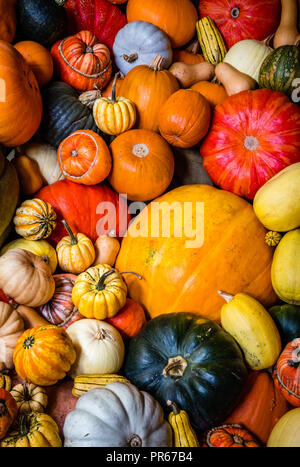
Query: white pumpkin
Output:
(138,43)
(247,56)
(99,347)
(118,415)
(46,157)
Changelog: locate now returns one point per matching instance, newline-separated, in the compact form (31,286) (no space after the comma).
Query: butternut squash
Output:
(187,75)
(83,383)
(184,435)
(106,250)
(31,317)
(233,80)
(287,32)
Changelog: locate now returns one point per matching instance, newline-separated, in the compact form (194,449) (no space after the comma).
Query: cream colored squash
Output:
(247,56)
(286,432)
(277,203)
(39,247)
(46,158)
(99,347)
(118,415)
(11,328)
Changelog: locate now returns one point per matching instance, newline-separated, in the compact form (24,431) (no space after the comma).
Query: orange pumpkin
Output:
(44,354)
(7,20)
(184,118)
(229,436)
(129,320)
(215,243)
(260,407)
(84,157)
(20,98)
(107,92)
(190,55)
(286,373)
(148,87)
(214,93)
(38,58)
(82,61)
(176,17)
(143,165)
(8,411)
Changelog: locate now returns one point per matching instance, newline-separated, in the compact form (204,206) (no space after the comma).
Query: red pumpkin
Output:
(130,319)
(60,310)
(98,16)
(8,411)
(80,205)
(82,61)
(243,19)
(287,373)
(254,135)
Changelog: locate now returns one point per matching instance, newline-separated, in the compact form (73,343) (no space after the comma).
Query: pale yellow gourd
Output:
(187,75)
(286,432)
(249,323)
(287,32)
(233,80)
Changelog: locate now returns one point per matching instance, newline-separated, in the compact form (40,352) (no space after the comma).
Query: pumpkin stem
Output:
(61,2)
(193,48)
(88,98)
(132,272)
(174,407)
(113,91)
(103,334)
(235,12)
(227,297)
(101,286)
(130,58)
(74,240)
(176,367)
(26,392)
(157,63)
(134,441)
(23,423)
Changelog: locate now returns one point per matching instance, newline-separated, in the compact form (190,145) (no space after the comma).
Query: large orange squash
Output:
(260,407)
(7,19)
(38,58)
(215,243)
(20,98)
(148,87)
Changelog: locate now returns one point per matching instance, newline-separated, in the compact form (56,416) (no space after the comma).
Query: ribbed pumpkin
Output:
(287,372)
(143,165)
(30,398)
(260,407)
(247,144)
(8,411)
(5,382)
(60,310)
(176,17)
(39,247)
(84,157)
(184,119)
(177,265)
(82,61)
(211,41)
(230,436)
(38,58)
(20,98)
(148,87)
(53,349)
(213,92)
(35,219)
(7,20)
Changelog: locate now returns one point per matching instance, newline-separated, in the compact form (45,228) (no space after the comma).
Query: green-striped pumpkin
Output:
(35,219)
(211,41)
(280,69)
(5,382)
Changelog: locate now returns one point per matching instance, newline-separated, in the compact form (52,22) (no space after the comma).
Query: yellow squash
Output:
(184,435)
(211,41)
(35,219)
(286,432)
(277,203)
(84,383)
(114,115)
(38,247)
(285,272)
(249,323)
(273,238)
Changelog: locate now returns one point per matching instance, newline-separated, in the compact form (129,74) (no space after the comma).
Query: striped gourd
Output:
(5,382)
(211,41)
(184,435)
(30,398)
(35,219)
(84,383)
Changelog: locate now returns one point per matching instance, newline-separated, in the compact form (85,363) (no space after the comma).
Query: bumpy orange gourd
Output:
(38,58)
(51,347)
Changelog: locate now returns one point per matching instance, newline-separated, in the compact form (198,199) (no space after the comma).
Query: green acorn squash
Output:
(287,320)
(280,69)
(191,361)
(9,196)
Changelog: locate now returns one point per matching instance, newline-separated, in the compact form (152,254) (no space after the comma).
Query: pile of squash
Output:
(149,223)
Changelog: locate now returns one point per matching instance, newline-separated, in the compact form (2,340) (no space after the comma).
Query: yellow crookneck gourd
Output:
(249,323)
(184,435)
(233,80)
(287,32)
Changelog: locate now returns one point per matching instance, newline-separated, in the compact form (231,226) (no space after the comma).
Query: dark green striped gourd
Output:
(280,69)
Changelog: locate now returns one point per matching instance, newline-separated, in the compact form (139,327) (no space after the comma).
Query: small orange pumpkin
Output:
(84,157)
(143,165)
(38,58)
(190,55)
(213,92)
(29,174)
(229,436)
(129,320)
(185,118)
(286,373)
(82,61)
(8,411)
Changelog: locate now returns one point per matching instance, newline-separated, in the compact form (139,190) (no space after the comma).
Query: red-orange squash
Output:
(20,98)
(38,58)
(213,92)
(229,436)
(129,320)
(84,157)
(148,87)
(8,411)
(260,407)
(82,61)
(7,19)
(215,243)
(287,372)
(143,165)
(185,118)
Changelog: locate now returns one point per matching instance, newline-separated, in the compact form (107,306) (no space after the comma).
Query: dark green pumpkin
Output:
(191,361)
(43,21)
(287,320)
(280,69)
(63,113)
